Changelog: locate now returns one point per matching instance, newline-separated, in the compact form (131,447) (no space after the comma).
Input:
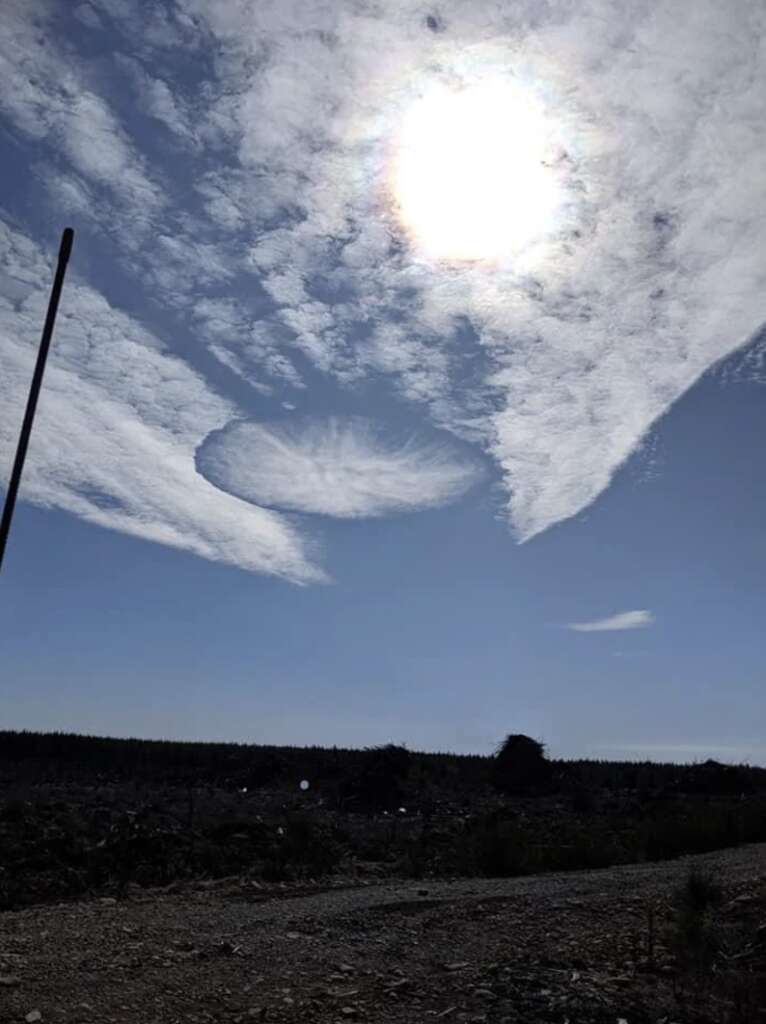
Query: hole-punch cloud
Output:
(346,467)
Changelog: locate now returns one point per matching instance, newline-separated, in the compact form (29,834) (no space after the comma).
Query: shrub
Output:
(696,935)
(305,847)
(520,766)
(380,784)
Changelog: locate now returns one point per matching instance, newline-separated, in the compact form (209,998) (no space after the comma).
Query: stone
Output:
(9,980)
(32,1016)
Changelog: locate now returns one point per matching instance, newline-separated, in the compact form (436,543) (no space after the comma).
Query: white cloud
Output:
(623,620)
(117,426)
(557,368)
(158,100)
(44,96)
(347,468)
(652,278)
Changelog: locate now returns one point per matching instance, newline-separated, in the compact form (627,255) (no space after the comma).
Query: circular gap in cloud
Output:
(346,467)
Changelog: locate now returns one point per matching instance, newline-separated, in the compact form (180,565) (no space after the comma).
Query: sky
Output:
(408,380)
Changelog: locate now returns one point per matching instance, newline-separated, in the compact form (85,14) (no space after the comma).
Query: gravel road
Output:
(550,948)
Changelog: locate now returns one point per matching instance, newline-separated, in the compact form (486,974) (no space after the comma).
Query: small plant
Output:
(701,892)
(695,934)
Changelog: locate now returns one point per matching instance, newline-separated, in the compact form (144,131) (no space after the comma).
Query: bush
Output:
(520,766)
(696,935)
(380,784)
(304,848)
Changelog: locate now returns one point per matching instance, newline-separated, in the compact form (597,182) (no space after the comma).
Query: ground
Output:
(579,947)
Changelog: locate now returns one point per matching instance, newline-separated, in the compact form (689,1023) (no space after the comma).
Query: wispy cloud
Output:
(43,95)
(651,279)
(277,244)
(348,468)
(118,425)
(158,100)
(623,620)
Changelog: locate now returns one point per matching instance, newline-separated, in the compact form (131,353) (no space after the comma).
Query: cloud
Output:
(274,239)
(117,426)
(158,99)
(348,468)
(44,95)
(650,279)
(623,620)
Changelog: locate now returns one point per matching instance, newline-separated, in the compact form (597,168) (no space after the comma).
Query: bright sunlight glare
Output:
(471,179)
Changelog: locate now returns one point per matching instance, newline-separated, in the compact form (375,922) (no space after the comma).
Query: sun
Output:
(470,176)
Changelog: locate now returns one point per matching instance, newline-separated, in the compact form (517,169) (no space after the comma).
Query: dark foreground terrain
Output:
(82,817)
(613,945)
(146,881)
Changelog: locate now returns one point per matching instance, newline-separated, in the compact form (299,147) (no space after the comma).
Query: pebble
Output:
(33,1016)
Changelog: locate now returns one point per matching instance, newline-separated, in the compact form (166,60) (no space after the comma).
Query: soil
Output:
(574,948)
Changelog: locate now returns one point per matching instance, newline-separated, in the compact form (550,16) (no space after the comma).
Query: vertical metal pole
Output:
(26,428)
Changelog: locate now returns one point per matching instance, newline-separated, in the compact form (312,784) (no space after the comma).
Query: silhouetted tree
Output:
(520,765)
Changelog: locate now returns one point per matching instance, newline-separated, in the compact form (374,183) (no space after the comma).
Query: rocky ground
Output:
(574,948)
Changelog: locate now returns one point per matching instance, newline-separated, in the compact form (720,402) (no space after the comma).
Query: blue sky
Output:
(344,441)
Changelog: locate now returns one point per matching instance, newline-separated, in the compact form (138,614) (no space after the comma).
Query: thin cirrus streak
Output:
(623,620)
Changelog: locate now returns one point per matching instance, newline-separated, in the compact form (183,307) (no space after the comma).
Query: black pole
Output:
(34,391)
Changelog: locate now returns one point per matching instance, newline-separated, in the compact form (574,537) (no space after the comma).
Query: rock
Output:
(457,966)
(744,900)
(107,901)
(33,1016)
(346,968)
(348,1011)
(9,980)
(397,986)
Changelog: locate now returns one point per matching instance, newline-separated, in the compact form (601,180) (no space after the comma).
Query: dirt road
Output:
(552,948)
